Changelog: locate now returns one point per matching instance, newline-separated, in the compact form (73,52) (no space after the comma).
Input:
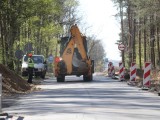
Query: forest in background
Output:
(37,25)
(140,31)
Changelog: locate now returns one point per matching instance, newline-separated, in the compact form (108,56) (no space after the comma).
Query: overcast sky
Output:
(98,16)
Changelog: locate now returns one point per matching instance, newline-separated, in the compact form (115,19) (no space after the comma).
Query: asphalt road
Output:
(101,99)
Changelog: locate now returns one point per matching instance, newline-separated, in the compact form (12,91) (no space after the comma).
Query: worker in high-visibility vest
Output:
(30,68)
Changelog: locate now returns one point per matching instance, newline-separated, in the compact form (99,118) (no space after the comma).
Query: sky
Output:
(98,17)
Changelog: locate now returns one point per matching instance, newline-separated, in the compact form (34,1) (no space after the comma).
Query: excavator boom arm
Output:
(78,41)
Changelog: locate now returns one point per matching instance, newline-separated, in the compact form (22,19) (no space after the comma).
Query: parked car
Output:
(40,66)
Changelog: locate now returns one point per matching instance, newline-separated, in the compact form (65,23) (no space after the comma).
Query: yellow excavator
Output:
(73,59)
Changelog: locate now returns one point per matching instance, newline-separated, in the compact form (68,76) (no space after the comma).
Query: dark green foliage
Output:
(141,23)
(31,21)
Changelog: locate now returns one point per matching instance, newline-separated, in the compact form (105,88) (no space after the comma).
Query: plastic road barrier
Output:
(121,71)
(112,71)
(147,74)
(133,72)
(109,68)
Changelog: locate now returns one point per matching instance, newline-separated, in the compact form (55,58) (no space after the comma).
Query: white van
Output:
(40,66)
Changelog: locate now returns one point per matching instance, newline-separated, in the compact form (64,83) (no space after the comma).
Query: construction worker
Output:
(30,68)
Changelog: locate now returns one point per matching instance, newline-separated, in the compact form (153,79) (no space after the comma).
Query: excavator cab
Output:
(73,58)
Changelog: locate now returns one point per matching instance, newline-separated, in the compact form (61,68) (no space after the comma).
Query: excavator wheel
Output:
(87,78)
(61,78)
(91,77)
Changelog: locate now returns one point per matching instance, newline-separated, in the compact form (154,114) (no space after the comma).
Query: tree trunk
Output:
(2,36)
(140,62)
(158,46)
(129,34)
(145,45)
(134,39)
(152,40)
(122,31)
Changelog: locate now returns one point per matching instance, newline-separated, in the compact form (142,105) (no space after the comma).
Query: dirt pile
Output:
(13,83)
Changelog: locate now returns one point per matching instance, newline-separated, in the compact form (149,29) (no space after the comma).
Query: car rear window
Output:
(36,59)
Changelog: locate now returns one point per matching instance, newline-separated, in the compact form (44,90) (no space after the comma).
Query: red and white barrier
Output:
(133,71)
(147,74)
(112,71)
(109,68)
(121,71)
